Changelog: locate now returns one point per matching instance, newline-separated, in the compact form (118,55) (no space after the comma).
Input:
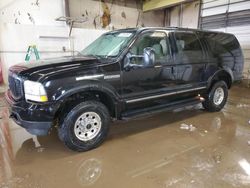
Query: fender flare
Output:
(226,71)
(88,86)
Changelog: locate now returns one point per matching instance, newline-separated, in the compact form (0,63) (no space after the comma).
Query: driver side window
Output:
(157,41)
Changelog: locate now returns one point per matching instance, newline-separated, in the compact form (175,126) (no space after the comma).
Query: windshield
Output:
(108,45)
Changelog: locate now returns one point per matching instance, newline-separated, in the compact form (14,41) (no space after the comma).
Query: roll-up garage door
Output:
(232,16)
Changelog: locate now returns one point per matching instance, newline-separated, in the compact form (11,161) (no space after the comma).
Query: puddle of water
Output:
(237,179)
(156,152)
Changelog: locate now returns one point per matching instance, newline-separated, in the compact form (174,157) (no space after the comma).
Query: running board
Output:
(160,108)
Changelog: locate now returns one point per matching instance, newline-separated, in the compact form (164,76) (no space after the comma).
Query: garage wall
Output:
(232,16)
(50,42)
(185,15)
(31,12)
(21,24)
(113,14)
(32,22)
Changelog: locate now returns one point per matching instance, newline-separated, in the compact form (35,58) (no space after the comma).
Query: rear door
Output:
(190,59)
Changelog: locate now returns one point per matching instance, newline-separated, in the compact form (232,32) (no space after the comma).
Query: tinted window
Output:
(188,48)
(220,44)
(187,42)
(155,40)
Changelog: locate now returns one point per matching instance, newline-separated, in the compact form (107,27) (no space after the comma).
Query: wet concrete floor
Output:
(158,151)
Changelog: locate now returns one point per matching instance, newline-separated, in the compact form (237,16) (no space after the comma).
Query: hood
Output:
(36,70)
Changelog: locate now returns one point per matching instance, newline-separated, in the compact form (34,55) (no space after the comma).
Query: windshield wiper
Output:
(95,56)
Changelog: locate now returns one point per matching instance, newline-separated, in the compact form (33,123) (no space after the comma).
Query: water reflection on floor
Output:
(158,151)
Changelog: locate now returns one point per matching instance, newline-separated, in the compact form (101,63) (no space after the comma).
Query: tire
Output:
(216,98)
(85,127)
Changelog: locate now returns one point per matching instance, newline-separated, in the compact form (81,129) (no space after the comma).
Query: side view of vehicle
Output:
(123,74)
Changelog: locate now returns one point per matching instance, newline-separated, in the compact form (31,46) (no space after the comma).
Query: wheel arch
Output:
(225,74)
(96,92)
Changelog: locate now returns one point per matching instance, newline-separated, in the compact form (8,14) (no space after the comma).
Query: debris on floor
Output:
(243,105)
(248,142)
(217,158)
(185,126)
(40,149)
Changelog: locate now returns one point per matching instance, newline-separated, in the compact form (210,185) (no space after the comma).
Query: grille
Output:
(15,85)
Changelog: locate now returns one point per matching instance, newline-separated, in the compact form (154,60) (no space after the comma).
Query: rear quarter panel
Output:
(224,52)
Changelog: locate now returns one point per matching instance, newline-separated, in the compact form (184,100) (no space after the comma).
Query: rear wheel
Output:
(85,127)
(216,99)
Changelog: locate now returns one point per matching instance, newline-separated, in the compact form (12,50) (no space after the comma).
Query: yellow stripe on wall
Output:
(157,4)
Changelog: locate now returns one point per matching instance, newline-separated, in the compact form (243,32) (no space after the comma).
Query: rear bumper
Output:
(36,119)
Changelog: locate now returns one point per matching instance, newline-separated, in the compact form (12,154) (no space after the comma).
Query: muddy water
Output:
(185,148)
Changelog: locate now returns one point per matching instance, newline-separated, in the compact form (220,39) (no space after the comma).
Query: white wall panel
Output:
(209,4)
(214,11)
(30,13)
(222,6)
(239,6)
(15,39)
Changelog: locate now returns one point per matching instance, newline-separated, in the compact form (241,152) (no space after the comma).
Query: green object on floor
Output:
(32,49)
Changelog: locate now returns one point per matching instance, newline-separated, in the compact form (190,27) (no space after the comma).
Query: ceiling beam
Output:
(160,4)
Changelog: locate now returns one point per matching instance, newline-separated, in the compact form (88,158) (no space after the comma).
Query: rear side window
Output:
(187,42)
(220,44)
(188,47)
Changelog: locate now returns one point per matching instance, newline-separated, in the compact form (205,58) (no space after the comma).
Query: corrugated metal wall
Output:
(232,16)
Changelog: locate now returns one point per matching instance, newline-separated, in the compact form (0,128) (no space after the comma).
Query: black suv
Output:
(123,74)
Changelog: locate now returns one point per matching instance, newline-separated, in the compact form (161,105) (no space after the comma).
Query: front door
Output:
(141,80)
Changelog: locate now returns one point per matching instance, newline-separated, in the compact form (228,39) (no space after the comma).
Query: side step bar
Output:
(161,108)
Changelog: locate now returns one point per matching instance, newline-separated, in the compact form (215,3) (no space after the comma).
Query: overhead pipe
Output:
(66,8)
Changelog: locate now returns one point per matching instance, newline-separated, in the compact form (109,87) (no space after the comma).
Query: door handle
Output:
(172,70)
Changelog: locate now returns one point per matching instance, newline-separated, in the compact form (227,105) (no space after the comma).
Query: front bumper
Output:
(36,119)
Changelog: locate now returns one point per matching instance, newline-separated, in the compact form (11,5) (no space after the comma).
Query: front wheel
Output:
(216,99)
(85,127)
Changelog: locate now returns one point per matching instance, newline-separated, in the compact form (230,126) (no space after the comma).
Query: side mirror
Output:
(148,56)
(127,60)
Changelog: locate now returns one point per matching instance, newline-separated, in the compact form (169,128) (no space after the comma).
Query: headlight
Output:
(35,91)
